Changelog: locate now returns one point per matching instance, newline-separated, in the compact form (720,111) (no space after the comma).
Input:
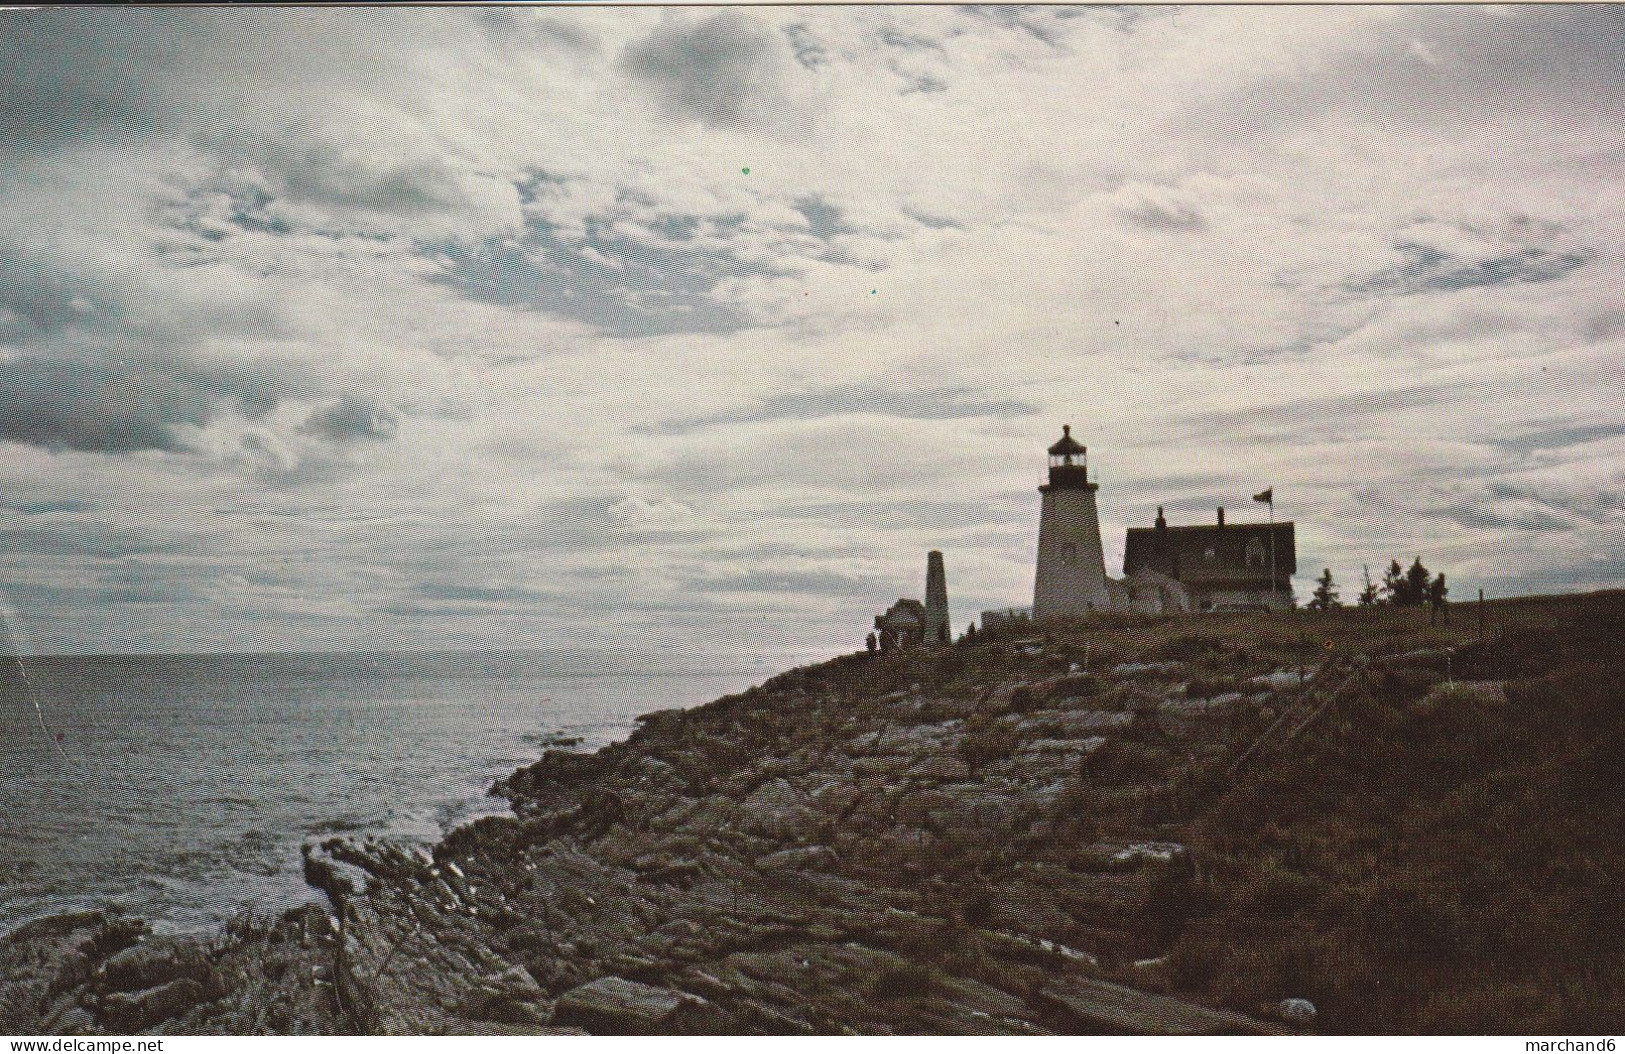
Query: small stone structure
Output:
(1005,617)
(901,626)
(936,600)
(909,623)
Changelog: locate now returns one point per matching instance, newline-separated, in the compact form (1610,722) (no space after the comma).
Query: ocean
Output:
(179,788)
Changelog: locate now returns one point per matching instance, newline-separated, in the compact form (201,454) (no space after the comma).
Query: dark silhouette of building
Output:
(1223,567)
(909,623)
(901,626)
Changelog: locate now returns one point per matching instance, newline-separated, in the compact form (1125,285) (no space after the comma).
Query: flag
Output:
(1266,496)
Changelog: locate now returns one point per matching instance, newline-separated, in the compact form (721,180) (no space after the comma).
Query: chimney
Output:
(1221,517)
(1162,521)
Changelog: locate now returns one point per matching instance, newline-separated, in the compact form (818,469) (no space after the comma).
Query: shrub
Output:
(1194,960)
(1122,760)
(908,981)
(1272,892)
(986,740)
(1208,687)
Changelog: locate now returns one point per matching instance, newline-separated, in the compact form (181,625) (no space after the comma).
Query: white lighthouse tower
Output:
(1071,565)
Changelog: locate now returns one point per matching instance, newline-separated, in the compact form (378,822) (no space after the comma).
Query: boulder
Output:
(1146,669)
(778,810)
(137,1011)
(1076,724)
(901,739)
(616,1006)
(1087,745)
(805,858)
(53,955)
(1118,1010)
(510,996)
(1461,695)
(941,768)
(1152,974)
(1136,854)
(150,965)
(1296,1011)
(513,983)
(339,880)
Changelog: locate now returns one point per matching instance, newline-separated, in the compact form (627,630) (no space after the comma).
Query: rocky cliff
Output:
(1011,835)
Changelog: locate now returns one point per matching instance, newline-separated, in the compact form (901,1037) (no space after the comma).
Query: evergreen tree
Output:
(1437,594)
(1372,593)
(1325,595)
(1417,581)
(1393,584)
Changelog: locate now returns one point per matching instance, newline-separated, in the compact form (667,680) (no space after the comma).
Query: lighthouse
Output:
(1071,564)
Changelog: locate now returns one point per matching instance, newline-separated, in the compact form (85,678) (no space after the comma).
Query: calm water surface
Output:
(185,784)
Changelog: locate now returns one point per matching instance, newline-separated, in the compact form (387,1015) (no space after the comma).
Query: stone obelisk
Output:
(937,627)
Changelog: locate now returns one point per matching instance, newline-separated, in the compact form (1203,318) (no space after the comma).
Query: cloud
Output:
(724,69)
(930,404)
(113,409)
(1606,507)
(1168,217)
(1558,438)
(823,218)
(45,508)
(418,326)
(630,286)
(1035,22)
(65,79)
(353,419)
(1488,518)
(1429,269)
(827,583)
(86,541)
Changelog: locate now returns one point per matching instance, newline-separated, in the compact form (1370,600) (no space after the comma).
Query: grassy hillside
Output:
(1440,849)
(1431,858)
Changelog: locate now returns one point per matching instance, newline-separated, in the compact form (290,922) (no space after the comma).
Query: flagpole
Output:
(1275,587)
(1267,496)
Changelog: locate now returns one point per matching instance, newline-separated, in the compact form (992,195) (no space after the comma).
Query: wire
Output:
(40,713)
(33,696)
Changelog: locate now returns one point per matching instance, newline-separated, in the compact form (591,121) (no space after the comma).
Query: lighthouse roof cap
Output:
(1067,444)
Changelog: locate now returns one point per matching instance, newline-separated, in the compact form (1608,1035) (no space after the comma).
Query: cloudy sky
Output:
(521,327)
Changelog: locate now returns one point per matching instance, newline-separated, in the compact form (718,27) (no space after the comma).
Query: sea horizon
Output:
(178,787)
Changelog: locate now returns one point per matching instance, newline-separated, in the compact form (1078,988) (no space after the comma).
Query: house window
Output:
(1210,556)
(1255,553)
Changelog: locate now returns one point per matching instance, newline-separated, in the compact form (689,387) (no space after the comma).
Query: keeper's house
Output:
(1220,567)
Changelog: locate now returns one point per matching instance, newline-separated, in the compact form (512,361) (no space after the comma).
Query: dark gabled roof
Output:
(1066,444)
(905,612)
(1182,552)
